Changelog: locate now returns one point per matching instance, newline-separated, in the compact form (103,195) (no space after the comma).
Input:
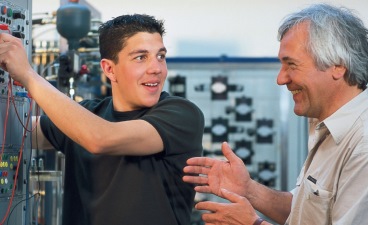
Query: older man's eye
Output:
(292,65)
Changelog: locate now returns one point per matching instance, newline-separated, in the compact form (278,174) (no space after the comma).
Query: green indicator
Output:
(10,12)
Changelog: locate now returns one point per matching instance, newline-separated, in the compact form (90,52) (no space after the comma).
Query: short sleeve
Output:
(52,133)
(180,124)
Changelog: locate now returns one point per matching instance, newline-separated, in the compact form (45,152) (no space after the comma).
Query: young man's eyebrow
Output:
(163,49)
(143,51)
(140,51)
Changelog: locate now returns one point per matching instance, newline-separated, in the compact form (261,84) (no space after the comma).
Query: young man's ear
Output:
(108,69)
(338,72)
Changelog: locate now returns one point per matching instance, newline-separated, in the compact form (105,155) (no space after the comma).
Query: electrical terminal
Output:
(22,94)
(17,83)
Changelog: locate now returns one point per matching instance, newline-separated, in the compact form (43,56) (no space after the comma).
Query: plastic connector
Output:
(22,94)
(17,83)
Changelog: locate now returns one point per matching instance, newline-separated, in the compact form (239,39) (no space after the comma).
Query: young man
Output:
(324,57)
(124,154)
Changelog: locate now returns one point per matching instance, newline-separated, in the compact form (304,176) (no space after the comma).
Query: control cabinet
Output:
(15,112)
(243,105)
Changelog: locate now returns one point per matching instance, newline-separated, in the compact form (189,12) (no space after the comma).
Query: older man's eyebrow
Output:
(287,59)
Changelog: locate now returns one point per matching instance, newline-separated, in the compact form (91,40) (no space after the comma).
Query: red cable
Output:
(4,137)
(6,119)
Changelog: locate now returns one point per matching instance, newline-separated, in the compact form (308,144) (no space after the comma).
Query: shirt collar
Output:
(340,122)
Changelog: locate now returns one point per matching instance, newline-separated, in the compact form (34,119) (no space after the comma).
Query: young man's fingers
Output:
(4,37)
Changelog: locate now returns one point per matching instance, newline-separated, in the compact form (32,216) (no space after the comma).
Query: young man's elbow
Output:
(95,146)
(95,149)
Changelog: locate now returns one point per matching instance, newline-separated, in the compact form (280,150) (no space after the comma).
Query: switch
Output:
(9,13)
(17,14)
(18,34)
(3,10)
(4,28)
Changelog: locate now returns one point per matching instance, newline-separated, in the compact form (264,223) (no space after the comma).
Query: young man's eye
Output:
(161,56)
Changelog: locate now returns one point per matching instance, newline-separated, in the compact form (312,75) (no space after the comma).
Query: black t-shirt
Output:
(132,190)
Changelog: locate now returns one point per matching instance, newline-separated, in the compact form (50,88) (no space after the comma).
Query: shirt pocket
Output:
(317,204)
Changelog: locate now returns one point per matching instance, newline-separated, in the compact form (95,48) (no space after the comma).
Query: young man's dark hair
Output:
(114,33)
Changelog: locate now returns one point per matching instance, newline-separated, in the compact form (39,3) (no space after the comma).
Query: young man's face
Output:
(312,89)
(140,72)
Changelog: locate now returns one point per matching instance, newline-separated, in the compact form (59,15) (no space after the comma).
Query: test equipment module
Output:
(15,121)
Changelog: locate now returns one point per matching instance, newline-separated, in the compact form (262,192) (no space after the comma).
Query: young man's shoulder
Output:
(92,104)
(177,101)
(167,96)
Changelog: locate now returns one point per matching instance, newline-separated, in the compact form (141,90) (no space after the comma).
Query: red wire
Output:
(20,121)
(6,120)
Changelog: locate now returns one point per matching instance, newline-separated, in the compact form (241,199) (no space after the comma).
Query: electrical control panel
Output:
(15,19)
(243,105)
(240,100)
(15,105)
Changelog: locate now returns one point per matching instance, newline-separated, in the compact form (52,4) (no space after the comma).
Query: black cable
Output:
(19,203)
